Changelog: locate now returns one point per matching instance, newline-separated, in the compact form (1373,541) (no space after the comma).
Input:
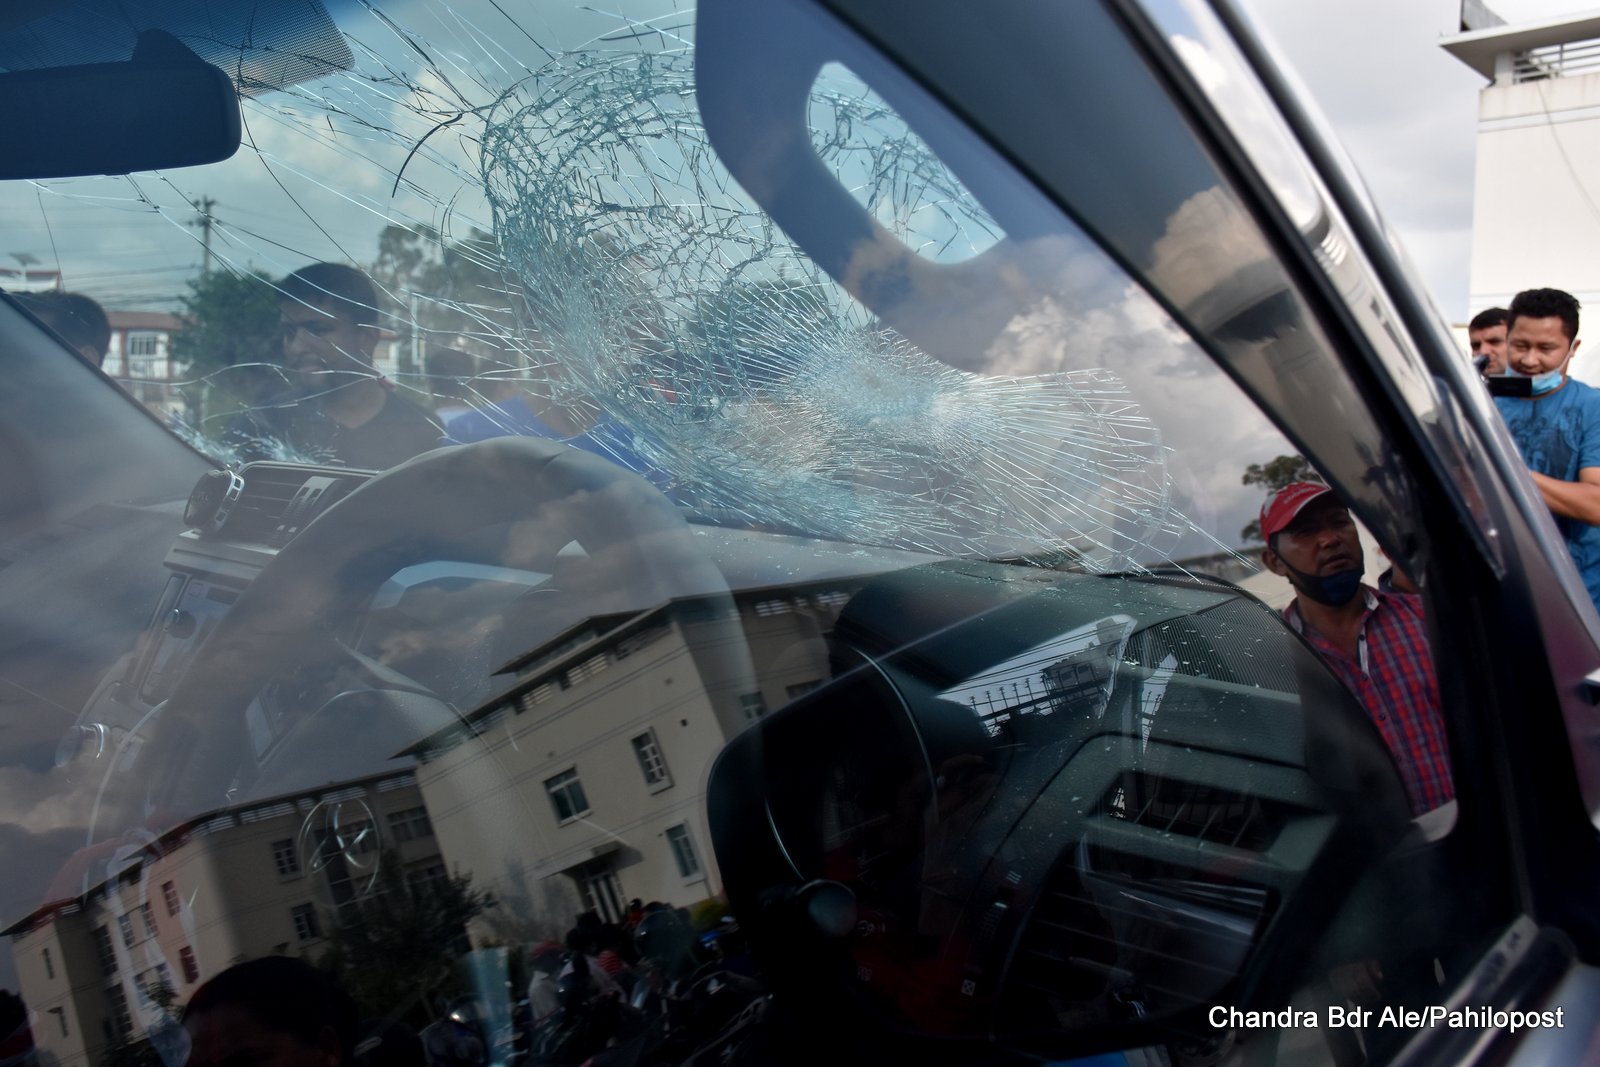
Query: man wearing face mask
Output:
(1557,427)
(1373,640)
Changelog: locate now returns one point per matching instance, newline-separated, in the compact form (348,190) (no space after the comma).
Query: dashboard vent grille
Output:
(1108,932)
(279,500)
(1206,812)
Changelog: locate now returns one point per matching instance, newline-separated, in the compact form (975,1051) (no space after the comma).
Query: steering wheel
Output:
(612,542)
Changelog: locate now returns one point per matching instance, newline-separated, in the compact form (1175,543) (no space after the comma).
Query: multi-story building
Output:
(585,786)
(1536,202)
(139,357)
(580,789)
(265,878)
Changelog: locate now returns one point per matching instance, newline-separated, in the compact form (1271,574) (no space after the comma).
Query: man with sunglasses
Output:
(337,408)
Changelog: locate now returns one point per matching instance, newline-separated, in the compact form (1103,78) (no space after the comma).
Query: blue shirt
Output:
(607,438)
(1559,435)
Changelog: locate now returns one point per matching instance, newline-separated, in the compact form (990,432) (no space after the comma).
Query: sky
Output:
(1405,109)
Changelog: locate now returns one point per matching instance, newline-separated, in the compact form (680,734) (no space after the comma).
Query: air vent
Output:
(1110,933)
(279,500)
(1205,812)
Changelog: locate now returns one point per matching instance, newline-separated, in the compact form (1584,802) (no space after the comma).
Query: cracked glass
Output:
(618,572)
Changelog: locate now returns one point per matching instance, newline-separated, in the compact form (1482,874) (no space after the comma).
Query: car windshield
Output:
(556,249)
(564,403)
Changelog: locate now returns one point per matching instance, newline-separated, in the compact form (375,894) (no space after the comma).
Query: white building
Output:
(585,786)
(1536,208)
(225,887)
(139,357)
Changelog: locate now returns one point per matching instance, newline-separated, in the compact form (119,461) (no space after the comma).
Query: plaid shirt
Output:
(1392,675)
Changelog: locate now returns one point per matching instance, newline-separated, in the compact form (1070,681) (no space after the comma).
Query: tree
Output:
(400,942)
(230,319)
(1272,476)
(452,288)
(229,341)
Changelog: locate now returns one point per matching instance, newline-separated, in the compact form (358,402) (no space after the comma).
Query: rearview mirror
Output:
(162,109)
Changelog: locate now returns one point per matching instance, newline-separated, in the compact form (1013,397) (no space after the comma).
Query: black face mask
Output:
(1335,590)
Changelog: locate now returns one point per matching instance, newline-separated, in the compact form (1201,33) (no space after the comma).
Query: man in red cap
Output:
(1374,640)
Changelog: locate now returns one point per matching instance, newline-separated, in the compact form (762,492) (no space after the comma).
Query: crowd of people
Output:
(1374,639)
(329,404)
(279,1010)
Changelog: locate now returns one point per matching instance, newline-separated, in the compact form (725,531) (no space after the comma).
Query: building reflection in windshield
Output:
(579,791)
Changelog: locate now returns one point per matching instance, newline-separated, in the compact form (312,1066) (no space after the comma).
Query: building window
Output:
(537,695)
(428,877)
(651,763)
(585,670)
(191,969)
(148,915)
(49,968)
(125,924)
(285,857)
(170,892)
(61,1017)
(104,949)
(800,689)
(119,1021)
(683,850)
(151,368)
(566,795)
(306,927)
(142,344)
(412,824)
(754,705)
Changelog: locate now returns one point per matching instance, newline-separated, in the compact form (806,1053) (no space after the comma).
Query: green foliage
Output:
(232,319)
(230,342)
(1275,474)
(401,941)
(453,288)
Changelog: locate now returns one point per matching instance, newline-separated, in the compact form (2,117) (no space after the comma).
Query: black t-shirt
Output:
(396,433)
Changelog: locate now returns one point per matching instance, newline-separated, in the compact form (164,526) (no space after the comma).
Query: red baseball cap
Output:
(1281,508)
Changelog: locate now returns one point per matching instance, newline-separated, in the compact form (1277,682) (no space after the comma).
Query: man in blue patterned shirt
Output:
(1557,427)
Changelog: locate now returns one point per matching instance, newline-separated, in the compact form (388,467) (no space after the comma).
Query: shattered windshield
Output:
(555,249)
(641,456)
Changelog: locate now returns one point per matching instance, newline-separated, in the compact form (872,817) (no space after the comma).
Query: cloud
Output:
(1405,110)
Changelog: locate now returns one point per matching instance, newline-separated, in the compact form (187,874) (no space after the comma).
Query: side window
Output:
(1133,784)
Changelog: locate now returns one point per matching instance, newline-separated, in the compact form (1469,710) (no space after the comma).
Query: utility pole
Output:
(413,306)
(204,206)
